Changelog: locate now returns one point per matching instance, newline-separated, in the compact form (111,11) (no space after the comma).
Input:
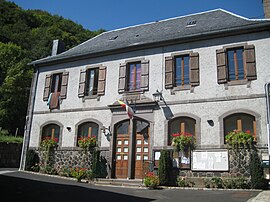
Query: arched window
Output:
(51,131)
(181,125)
(241,121)
(87,129)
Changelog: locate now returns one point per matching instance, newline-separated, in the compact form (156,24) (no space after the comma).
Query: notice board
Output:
(210,160)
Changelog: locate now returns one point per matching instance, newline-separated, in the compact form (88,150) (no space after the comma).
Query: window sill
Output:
(91,97)
(237,83)
(182,88)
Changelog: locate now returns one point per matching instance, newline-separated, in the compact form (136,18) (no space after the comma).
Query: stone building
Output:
(206,70)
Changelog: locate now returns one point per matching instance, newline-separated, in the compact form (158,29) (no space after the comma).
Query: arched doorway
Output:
(132,148)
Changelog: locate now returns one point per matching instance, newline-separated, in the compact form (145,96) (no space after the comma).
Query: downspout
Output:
(29,118)
(267,91)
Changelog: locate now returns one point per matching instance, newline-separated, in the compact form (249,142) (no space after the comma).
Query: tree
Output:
(164,168)
(256,172)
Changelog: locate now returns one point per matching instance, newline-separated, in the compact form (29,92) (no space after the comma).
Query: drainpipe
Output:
(29,117)
(267,92)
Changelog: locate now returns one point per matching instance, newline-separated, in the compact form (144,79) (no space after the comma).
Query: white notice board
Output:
(210,160)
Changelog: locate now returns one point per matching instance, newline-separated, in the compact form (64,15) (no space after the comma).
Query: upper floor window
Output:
(182,71)
(55,88)
(134,76)
(51,131)
(92,82)
(236,64)
(134,79)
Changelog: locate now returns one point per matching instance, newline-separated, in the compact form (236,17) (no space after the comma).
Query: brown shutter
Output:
(63,93)
(47,88)
(122,78)
(101,80)
(194,69)
(145,75)
(249,51)
(169,72)
(221,66)
(82,83)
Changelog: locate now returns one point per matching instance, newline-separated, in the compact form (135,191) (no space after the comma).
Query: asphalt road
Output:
(21,186)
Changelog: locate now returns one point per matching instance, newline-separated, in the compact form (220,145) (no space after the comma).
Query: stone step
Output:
(119,182)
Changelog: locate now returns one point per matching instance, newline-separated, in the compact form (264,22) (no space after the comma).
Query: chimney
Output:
(58,47)
(266,8)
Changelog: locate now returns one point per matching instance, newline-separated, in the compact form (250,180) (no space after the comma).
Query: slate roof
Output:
(185,28)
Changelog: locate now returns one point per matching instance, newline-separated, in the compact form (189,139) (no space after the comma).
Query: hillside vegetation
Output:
(27,35)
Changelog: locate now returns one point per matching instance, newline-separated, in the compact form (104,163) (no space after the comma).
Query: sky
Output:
(115,14)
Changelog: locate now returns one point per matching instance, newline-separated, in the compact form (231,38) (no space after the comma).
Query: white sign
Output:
(212,160)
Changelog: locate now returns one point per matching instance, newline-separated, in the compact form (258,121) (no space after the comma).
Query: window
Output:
(55,88)
(134,76)
(241,121)
(87,129)
(181,125)
(134,79)
(182,71)
(236,64)
(92,82)
(51,131)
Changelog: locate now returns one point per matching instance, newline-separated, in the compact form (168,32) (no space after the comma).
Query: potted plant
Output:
(238,138)
(183,141)
(87,143)
(151,180)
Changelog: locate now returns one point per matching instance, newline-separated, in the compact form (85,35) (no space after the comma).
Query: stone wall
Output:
(10,155)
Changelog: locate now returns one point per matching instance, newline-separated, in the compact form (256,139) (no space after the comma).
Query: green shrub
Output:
(151,180)
(217,182)
(10,139)
(184,182)
(256,172)
(99,165)
(164,168)
(32,161)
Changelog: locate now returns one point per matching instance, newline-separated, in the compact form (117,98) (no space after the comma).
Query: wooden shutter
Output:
(221,66)
(194,69)
(101,80)
(63,93)
(47,87)
(145,75)
(122,78)
(82,83)
(169,72)
(249,52)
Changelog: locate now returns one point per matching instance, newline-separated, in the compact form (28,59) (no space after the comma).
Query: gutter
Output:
(29,118)
(190,38)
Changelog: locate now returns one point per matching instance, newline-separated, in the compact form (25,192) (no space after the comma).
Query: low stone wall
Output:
(10,155)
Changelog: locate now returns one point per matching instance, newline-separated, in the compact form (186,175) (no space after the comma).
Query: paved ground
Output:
(21,186)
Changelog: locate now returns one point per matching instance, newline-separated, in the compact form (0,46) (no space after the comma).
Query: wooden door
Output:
(141,155)
(122,155)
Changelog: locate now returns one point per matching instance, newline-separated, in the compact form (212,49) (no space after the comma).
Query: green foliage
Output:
(10,139)
(32,161)
(48,144)
(182,141)
(184,182)
(217,182)
(256,172)
(87,143)
(151,180)
(238,139)
(78,173)
(164,168)
(99,165)
(27,35)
